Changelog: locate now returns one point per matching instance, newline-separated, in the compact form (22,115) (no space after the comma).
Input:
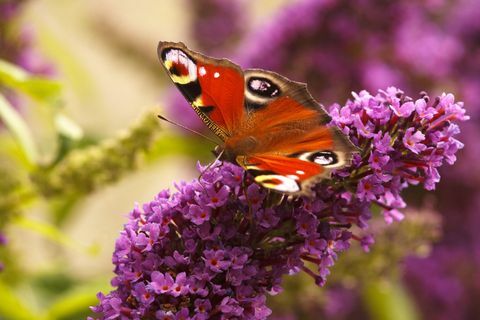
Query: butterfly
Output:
(269,125)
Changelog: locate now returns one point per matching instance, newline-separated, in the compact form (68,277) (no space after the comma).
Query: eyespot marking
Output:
(181,67)
(263,87)
(325,158)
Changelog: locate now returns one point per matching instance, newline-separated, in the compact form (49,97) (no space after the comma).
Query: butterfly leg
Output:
(274,198)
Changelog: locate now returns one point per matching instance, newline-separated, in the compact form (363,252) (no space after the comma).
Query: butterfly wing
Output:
(294,145)
(214,87)
(271,125)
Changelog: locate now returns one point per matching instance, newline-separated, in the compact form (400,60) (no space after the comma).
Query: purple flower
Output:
(218,24)
(370,187)
(199,214)
(383,143)
(16,44)
(161,283)
(404,110)
(215,260)
(140,293)
(180,287)
(230,307)
(202,306)
(366,242)
(217,247)
(336,48)
(164,315)
(392,215)
(412,140)
(378,160)
(267,218)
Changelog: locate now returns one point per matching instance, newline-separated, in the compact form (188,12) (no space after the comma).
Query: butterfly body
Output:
(269,124)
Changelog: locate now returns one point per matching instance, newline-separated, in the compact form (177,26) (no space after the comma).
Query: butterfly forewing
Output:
(214,87)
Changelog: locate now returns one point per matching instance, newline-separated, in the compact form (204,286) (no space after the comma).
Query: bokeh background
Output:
(80,143)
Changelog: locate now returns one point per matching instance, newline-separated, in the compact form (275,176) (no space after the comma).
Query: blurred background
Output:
(80,144)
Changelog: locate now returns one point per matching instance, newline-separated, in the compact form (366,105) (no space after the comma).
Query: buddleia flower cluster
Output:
(339,47)
(218,245)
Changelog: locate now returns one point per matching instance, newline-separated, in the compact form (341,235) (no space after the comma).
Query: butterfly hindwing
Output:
(214,87)
(296,147)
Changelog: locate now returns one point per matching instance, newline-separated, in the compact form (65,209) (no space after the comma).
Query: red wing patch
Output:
(214,87)
(223,89)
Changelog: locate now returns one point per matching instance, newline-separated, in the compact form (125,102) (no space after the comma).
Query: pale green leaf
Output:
(19,129)
(36,87)
(388,300)
(52,233)
(68,127)
(12,307)
(75,303)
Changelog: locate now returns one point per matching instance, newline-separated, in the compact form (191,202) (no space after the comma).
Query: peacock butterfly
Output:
(270,125)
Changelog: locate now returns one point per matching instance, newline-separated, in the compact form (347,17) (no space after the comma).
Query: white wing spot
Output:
(278,182)
(216,75)
(300,172)
(202,71)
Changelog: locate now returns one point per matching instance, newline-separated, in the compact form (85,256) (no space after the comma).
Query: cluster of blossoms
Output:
(337,47)
(16,45)
(218,25)
(218,245)
(16,41)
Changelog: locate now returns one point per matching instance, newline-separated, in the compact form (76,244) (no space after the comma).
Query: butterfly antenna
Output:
(185,128)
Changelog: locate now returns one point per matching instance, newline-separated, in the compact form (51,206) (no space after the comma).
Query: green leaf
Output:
(52,233)
(388,300)
(75,304)
(169,144)
(19,129)
(12,306)
(36,87)
(68,127)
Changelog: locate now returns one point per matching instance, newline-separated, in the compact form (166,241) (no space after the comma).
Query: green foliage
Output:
(388,300)
(39,88)
(12,306)
(19,129)
(58,181)
(85,170)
